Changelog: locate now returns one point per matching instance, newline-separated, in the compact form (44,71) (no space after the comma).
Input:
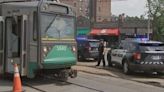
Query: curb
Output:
(102,74)
(96,73)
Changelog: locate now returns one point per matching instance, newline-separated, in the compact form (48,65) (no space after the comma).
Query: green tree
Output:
(156,14)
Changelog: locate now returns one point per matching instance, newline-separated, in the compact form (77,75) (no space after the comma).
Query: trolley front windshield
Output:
(56,27)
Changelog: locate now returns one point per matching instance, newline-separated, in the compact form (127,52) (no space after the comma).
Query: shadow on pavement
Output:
(117,70)
(87,60)
(146,78)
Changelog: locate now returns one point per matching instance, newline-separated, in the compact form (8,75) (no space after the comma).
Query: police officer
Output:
(101,52)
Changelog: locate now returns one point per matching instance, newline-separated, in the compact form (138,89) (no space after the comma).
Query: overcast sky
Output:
(129,7)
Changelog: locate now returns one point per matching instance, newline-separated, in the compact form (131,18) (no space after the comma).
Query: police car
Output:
(132,55)
(87,48)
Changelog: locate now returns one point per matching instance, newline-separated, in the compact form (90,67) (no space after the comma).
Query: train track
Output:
(28,85)
(50,79)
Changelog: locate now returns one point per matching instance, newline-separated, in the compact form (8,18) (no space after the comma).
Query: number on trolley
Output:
(61,47)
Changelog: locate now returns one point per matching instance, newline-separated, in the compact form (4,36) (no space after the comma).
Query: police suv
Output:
(147,56)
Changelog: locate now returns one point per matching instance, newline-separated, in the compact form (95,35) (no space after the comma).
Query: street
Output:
(45,42)
(92,83)
(115,81)
(147,78)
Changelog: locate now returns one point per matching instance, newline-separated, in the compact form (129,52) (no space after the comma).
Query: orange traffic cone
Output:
(17,85)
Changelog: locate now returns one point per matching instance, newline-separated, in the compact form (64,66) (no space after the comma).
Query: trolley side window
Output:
(1,36)
(13,29)
(35,26)
(1,42)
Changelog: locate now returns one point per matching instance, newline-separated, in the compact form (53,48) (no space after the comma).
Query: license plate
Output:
(95,49)
(156,57)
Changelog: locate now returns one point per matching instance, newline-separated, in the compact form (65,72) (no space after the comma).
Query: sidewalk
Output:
(5,86)
(89,67)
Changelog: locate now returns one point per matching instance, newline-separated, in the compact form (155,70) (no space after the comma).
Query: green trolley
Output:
(39,36)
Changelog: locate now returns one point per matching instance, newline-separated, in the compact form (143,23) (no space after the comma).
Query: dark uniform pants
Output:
(101,58)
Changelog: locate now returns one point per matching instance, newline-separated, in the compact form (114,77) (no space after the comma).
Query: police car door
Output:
(114,55)
(120,55)
(121,52)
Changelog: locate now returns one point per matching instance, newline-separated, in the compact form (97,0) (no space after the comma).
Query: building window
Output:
(80,9)
(35,26)
(99,18)
(74,4)
(99,9)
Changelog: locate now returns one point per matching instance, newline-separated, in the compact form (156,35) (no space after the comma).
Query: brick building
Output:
(81,6)
(103,10)
(98,10)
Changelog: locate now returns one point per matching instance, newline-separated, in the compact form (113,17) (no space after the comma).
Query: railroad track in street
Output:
(51,79)
(39,90)
(86,82)
(135,78)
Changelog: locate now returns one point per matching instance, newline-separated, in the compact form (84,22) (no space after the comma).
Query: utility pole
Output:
(92,12)
(148,34)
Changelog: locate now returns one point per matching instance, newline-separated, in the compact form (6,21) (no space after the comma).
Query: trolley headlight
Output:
(73,48)
(45,49)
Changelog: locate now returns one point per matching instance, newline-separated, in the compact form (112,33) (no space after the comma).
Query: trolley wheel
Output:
(73,73)
(63,75)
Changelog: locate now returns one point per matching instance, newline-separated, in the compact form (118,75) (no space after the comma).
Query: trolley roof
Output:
(11,8)
(2,1)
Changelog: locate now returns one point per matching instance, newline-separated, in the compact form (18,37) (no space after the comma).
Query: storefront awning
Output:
(110,32)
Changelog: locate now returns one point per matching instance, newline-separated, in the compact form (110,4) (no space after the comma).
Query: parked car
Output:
(87,48)
(147,56)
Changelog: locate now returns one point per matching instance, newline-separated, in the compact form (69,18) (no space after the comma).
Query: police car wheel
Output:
(161,73)
(126,68)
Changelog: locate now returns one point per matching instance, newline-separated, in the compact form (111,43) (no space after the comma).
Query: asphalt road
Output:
(91,83)
(147,78)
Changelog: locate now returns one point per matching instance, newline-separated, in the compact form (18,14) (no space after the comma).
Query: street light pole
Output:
(148,34)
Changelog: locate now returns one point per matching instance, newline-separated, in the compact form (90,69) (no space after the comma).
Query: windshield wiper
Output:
(50,24)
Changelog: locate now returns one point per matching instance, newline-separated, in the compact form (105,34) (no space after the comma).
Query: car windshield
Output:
(152,47)
(94,44)
(57,27)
